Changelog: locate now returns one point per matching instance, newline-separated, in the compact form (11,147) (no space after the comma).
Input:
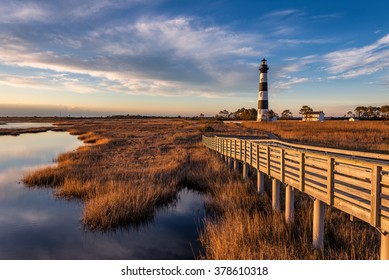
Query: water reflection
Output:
(23,125)
(36,225)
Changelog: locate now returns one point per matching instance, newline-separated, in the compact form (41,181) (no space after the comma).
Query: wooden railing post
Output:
(251,154)
(241,150)
(268,160)
(302,171)
(318,224)
(275,194)
(375,196)
(282,165)
(384,255)
(289,205)
(330,181)
(234,148)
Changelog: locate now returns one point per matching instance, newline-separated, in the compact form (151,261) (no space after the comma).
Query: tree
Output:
(246,114)
(385,112)
(286,114)
(305,109)
(360,111)
(373,112)
(224,114)
(350,114)
(201,115)
(271,114)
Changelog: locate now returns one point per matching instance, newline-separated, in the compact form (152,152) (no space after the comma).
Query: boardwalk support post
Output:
(289,205)
(231,163)
(275,195)
(236,165)
(318,224)
(384,246)
(260,182)
(245,170)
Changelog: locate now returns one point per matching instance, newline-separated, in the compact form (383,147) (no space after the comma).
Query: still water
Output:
(23,125)
(36,225)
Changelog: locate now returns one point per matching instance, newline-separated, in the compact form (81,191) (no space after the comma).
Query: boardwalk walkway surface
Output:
(354,182)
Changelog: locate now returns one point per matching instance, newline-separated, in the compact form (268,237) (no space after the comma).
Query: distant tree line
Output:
(244,114)
(369,112)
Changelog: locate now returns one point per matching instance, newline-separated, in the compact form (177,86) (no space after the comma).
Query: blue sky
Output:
(182,57)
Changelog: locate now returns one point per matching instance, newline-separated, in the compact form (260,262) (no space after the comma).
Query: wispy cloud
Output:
(288,82)
(19,11)
(354,62)
(304,41)
(326,17)
(163,56)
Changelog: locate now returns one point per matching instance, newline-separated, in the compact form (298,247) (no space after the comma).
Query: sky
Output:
(178,57)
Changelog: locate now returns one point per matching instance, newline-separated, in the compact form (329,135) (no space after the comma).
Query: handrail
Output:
(354,182)
(374,156)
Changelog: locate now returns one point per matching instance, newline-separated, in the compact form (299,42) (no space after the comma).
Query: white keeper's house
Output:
(316,116)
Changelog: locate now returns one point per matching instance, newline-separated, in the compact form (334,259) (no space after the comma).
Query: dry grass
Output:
(245,227)
(132,167)
(363,135)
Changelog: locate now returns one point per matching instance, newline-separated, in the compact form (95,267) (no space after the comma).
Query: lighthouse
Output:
(263,103)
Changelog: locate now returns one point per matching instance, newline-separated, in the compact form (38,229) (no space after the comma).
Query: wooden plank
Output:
(315,192)
(291,158)
(358,192)
(352,199)
(384,222)
(292,182)
(353,171)
(289,164)
(292,172)
(339,178)
(385,190)
(322,183)
(274,163)
(384,203)
(294,175)
(384,177)
(361,163)
(330,181)
(352,209)
(374,156)
(375,195)
(314,162)
(319,172)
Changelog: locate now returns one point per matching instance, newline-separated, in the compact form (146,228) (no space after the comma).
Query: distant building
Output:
(353,120)
(317,116)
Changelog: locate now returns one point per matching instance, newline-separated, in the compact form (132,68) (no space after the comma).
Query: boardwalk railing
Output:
(354,182)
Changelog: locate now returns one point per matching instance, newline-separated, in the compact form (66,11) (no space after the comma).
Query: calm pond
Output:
(23,125)
(36,225)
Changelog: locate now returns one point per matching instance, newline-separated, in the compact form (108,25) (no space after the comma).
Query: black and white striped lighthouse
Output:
(263,103)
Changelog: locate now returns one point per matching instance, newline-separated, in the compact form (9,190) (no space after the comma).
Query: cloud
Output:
(288,82)
(19,11)
(304,41)
(159,56)
(354,62)
(88,8)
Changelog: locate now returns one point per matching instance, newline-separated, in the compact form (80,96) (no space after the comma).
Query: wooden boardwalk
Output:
(354,182)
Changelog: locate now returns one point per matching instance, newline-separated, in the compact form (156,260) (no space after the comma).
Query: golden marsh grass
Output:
(132,167)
